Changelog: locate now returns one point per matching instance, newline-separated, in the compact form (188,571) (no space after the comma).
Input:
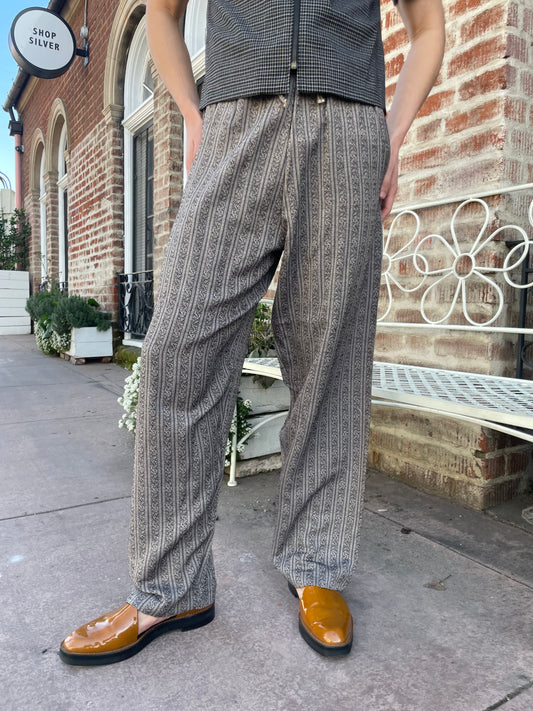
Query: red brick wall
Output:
(95,223)
(472,134)
(473,130)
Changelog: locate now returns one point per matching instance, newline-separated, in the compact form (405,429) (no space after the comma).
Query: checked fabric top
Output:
(334,46)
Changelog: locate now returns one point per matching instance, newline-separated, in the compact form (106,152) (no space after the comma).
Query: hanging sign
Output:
(42,43)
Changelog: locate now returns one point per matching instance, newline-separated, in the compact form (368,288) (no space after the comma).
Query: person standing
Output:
(288,152)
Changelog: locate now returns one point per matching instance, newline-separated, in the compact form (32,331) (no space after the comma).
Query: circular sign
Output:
(42,43)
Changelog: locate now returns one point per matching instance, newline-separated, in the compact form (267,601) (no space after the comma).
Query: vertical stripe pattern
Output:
(300,177)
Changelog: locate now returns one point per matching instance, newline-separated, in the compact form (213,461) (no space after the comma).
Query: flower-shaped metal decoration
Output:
(463,265)
(390,260)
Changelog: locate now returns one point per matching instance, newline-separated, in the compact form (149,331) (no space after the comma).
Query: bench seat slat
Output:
(505,404)
(505,400)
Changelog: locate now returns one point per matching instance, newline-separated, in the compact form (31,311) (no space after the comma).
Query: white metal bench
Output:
(499,403)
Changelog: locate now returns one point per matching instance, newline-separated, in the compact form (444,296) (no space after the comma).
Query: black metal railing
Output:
(135,302)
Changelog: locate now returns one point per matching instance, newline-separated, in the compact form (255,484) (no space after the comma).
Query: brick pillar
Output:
(52,226)
(114,180)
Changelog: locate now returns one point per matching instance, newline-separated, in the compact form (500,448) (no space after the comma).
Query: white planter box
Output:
(272,399)
(266,439)
(14,290)
(265,402)
(90,343)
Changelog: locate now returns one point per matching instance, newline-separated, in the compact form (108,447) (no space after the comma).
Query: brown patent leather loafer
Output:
(325,621)
(115,636)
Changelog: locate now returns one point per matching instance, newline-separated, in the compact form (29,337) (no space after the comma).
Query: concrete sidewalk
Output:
(442,602)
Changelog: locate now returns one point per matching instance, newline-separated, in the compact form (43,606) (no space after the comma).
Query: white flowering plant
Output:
(130,399)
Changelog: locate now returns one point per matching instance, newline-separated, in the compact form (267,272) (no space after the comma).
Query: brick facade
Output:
(472,134)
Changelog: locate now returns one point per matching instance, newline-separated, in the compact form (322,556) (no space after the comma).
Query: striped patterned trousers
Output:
(297,175)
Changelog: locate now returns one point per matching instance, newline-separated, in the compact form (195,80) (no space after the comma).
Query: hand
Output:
(194,128)
(389,186)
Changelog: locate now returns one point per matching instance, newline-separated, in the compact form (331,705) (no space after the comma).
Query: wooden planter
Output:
(90,343)
(14,290)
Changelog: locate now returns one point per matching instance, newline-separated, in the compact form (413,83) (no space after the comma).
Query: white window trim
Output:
(136,119)
(62,184)
(42,215)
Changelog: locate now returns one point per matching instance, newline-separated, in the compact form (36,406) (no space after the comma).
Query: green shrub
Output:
(55,315)
(42,304)
(74,311)
(261,340)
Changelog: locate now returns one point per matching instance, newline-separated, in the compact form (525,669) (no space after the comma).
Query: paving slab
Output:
(459,647)
(84,399)
(62,463)
(442,598)
(476,535)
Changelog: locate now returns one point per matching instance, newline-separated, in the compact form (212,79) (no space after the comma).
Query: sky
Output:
(8,72)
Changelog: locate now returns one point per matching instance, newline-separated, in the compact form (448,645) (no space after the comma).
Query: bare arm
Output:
(173,63)
(424,22)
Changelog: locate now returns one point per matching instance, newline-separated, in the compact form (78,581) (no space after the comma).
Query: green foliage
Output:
(56,313)
(14,241)
(126,356)
(74,311)
(43,304)
(261,341)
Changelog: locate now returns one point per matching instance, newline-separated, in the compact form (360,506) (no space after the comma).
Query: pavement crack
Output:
(510,696)
(65,508)
(93,414)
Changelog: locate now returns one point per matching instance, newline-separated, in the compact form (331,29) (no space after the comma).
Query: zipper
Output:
(295,31)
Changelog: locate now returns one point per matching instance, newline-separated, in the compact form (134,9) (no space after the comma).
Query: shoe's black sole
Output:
(324,650)
(97,659)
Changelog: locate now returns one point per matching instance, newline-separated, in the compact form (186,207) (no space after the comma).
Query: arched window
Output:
(62,204)
(138,155)
(42,213)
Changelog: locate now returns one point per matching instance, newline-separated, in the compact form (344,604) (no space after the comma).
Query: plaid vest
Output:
(333,45)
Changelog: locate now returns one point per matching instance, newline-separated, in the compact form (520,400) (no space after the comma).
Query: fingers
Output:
(194,136)
(389,188)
